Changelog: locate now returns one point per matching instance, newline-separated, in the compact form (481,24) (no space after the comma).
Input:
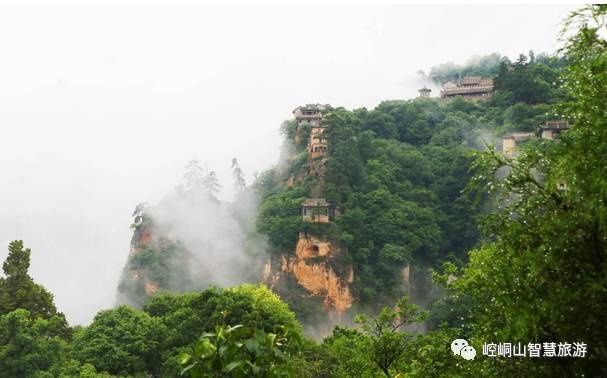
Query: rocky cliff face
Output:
(136,282)
(315,268)
(188,241)
(143,237)
(156,261)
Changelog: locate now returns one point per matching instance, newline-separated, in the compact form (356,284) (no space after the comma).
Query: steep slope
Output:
(361,207)
(384,191)
(188,241)
(315,268)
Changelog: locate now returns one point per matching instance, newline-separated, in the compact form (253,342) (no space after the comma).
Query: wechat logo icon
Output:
(460,347)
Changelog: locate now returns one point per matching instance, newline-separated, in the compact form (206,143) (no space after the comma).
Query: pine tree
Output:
(194,175)
(138,214)
(239,182)
(198,178)
(211,183)
(18,290)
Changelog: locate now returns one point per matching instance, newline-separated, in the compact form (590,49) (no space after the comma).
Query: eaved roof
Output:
(314,107)
(315,202)
(519,136)
(471,80)
(469,84)
(555,125)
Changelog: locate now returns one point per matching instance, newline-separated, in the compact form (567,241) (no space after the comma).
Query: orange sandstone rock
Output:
(318,277)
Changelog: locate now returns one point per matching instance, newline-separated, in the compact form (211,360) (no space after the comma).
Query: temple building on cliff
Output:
(317,146)
(472,87)
(317,210)
(313,114)
(424,92)
(551,129)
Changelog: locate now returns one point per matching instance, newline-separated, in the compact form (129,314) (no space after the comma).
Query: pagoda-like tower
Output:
(424,92)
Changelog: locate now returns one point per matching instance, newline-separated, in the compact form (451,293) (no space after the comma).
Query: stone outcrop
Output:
(150,287)
(312,266)
(144,236)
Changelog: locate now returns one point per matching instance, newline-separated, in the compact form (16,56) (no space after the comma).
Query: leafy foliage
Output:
(187,316)
(378,346)
(398,174)
(29,346)
(279,218)
(528,81)
(123,341)
(541,275)
(165,264)
(238,352)
(17,288)
(387,343)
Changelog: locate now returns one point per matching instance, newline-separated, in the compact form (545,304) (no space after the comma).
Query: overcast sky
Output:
(101,107)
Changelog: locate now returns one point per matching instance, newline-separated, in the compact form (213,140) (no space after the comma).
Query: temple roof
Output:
(519,136)
(313,107)
(555,125)
(315,202)
(457,91)
(469,84)
(471,80)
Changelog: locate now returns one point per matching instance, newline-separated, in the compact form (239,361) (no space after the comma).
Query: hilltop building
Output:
(551,129)
(473,87)
(313,114)
(424,92)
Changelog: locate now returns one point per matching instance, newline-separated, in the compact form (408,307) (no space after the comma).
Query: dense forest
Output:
(500,248)
(400,176)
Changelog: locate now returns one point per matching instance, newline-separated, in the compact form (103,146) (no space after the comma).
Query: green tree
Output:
(194,175)
(430,355)
(199,179)
(540,277)
(187,316)
(18,289)
(530,82)
(239,352)
(123,341)
(280,218)
(211,183)
(387,339)
(349,351)
(29,346)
